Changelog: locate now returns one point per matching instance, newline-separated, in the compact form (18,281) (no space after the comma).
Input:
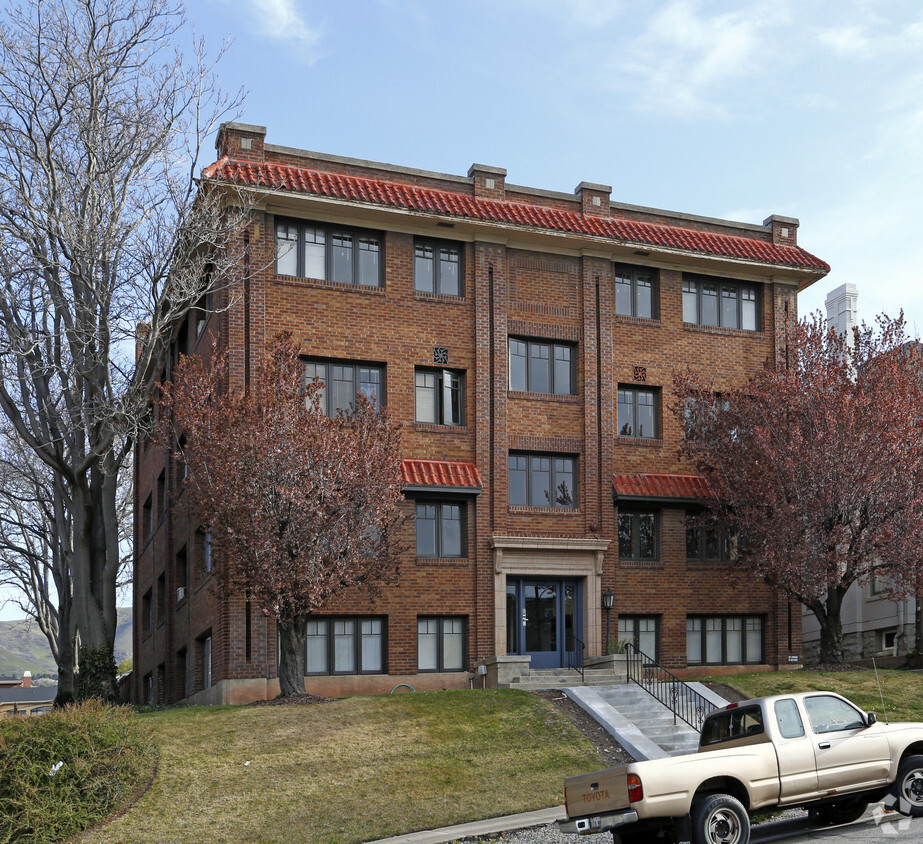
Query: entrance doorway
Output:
(543,615)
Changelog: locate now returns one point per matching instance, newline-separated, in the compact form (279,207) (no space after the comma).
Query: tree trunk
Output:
(916,658)
(292,637)
(95,561)
(831,625)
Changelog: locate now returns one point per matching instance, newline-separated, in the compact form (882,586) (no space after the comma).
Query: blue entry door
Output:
(543,615)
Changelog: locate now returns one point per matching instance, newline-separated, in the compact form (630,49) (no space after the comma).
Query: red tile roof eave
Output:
(461,206)
(440,475)
(655,486)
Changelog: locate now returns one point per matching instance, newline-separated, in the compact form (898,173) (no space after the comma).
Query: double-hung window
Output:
(637,412)
(342,381)
(542,366)
(437,267)
(439,396)
(634,291)
(719,303)
(329,253)
(542,480)
(345,645)
(440,644)
(638,535)
(440,529)
(724,640)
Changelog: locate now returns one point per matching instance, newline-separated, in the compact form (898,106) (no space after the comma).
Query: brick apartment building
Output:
(526,340)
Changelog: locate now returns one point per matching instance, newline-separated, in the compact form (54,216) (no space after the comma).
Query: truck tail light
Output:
(635,792)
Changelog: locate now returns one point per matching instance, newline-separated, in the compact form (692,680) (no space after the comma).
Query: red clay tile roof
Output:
(441,473)
(397,195)
(648,486)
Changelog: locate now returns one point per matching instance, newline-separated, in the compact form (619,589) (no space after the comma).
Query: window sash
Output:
(207,662)
(634,292)
(541,366)
(347,256)
(724,640)
(440,529)
(706,542)
(438,397)
(345,645)
(440,644)
(341,382)
(718,303)
(637,413)
(437,267)
(540,480)
(643,631)
(638,534)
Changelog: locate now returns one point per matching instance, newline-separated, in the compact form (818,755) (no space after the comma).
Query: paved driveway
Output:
(875,827)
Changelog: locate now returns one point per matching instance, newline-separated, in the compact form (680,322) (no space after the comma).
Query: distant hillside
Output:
(23,647)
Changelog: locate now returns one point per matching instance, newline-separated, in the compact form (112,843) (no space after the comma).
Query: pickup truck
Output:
(814,750)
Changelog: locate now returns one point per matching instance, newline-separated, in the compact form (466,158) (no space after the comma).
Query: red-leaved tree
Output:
(301,505)
(818,461)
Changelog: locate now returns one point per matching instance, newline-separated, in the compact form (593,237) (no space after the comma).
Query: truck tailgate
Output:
(601,791)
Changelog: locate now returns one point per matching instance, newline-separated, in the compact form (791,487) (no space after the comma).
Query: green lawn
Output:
(351,770)
(902,690)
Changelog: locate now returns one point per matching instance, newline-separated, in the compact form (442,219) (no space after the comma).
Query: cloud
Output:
(685,59)
(282,19)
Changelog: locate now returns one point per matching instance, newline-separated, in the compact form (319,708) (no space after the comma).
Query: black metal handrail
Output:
(575,656)
(684,701)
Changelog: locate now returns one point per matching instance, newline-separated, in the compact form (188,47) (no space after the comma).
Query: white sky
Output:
(807,108)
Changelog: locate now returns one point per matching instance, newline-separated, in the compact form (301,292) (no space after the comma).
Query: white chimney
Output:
(842,310)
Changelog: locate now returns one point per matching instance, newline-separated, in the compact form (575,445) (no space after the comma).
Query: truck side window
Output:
(830,714)
(732,724)
(789,719)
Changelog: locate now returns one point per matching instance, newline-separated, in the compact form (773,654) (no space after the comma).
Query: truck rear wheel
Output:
(908,787)
(719,819)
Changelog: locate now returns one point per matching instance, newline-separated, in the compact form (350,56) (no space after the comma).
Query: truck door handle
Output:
(824,745)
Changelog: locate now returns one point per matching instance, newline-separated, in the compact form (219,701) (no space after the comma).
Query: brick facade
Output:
(522,277)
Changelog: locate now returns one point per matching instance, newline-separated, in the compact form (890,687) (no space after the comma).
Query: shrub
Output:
(63,771)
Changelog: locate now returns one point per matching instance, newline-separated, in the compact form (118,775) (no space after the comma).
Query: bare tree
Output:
(102,228)
(33,558)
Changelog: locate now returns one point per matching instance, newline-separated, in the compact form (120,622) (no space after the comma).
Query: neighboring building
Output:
(872,625)
(25,699)
(526,339)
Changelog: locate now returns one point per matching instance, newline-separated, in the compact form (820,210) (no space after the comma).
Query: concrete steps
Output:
(652,718)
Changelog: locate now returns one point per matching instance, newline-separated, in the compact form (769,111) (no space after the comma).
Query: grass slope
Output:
(23,647)
(902,690)
(352,770)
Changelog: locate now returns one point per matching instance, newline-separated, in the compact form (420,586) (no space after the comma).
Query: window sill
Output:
(726,332)
(650,442)
(441,561)
(330,285)
(641,564)
(436,428)
(423,296)
(523,394)
(516,509)
(709,563)
(650,322)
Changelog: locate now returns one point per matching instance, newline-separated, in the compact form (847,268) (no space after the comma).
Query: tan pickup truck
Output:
(814,750)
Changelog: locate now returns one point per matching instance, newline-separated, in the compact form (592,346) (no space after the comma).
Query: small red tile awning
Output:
(427,200)
(441,475)
(653,486)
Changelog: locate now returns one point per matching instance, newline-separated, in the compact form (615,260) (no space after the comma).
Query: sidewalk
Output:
(491,826)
